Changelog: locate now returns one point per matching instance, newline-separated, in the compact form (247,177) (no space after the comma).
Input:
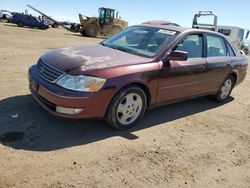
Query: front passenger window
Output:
(193,44)
(215,46)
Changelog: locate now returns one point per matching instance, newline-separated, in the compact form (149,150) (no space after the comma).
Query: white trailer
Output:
(236,34)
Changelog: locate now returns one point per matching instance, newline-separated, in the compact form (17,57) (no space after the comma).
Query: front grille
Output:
(48,72)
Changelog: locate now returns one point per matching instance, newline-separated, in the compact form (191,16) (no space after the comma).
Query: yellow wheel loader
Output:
(107,24)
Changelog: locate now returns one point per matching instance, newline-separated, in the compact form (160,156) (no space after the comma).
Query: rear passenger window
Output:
(230,51)
(215,46)
(16,15)
(193,44)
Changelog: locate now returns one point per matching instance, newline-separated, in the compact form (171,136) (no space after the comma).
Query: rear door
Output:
(218,62)
(182,79)
(31,21)
(27,20)
(35,22)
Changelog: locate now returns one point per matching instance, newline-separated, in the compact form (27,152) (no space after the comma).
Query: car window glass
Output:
(215,46)
(17,15)
(132,39)
(142,41)
(230,50)
(193,44)
(241,34)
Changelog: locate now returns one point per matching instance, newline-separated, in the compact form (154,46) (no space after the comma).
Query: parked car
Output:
(28,20)
(5,15)
(50,22)
(137,69)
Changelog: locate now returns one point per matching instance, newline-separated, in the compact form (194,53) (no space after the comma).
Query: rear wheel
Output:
(55,25)
(20,24)
(115,29)
(83,33)
(127,108)
(91,30)
(225,89)
(246,51)
(75,28)
(43,27)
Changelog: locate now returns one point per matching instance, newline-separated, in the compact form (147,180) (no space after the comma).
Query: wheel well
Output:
(234,75)
(140,85)
(143,87)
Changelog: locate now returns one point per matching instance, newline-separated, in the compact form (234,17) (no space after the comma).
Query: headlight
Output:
(81,83)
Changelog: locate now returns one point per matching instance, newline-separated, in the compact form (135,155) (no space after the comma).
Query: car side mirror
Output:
(176,56)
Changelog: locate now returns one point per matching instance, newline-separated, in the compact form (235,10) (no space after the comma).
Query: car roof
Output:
(180,29)
(160,22)
(21,14)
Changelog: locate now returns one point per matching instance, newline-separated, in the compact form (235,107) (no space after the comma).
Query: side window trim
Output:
(229,46)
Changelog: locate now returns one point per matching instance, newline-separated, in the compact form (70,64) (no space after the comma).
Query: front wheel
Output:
(91,30)
(127,108)
(43,27)
(55,25)
(225,90)
(115,29)
(20,24)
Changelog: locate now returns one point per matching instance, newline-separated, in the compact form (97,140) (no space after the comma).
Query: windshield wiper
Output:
(123,49)
(116,48)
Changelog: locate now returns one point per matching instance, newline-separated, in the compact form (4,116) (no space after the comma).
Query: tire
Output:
(55,25)
(75,28)
(225,90)
(20,24)
(115,29)
(91,30)
(83,33)
(43,27)
(127,108)
(246,51)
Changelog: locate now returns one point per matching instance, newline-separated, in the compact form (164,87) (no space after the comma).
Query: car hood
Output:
(82,59)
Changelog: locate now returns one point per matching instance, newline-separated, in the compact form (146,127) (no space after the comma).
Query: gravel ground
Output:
(197,143)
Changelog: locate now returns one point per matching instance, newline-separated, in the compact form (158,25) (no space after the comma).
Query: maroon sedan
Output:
(139,68)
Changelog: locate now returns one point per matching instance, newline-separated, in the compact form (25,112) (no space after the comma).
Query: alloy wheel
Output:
(226,88)
(129,108)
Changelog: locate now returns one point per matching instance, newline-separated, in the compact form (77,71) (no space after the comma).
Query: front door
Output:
(181,79)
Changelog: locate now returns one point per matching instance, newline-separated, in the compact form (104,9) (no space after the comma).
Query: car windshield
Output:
(142,41)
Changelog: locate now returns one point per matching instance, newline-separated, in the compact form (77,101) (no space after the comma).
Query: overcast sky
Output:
(233,13)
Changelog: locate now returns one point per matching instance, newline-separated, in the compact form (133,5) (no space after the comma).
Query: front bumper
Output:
(50,95)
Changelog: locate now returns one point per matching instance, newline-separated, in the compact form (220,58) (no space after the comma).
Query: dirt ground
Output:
(197,143)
